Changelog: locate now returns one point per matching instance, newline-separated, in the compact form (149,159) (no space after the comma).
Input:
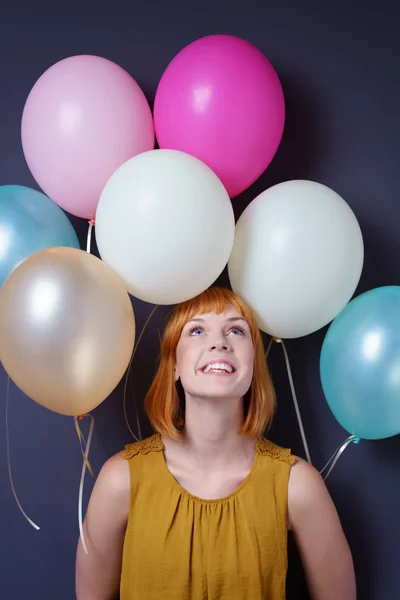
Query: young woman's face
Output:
(215,355)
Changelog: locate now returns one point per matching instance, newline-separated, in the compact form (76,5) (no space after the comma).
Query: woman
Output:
(201,509)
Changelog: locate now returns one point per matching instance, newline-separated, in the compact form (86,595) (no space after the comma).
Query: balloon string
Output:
(126,381)
(271,341)
(82,481)
(9,460)
(83,443)
(294,396)
(89,236)
(339,451)
(337,454)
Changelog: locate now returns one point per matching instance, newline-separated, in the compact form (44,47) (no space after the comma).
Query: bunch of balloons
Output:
(165,229)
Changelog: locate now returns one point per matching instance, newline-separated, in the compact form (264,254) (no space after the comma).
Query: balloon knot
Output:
(91,221)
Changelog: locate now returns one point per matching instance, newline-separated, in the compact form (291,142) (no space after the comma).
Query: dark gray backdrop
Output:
(339,67)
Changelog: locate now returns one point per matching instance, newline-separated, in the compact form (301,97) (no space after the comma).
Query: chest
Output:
(210,484)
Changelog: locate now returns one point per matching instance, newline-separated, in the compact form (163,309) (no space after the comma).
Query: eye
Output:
(196,330)
(237,330)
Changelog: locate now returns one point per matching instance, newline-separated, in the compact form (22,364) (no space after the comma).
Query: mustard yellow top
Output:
(178,546)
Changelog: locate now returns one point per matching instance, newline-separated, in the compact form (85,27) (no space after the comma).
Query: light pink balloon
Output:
(84,117)
(221,100)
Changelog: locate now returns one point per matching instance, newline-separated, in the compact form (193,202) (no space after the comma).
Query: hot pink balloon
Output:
(84,117)
(221,100)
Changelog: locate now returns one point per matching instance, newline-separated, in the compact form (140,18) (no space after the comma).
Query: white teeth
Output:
(217,367)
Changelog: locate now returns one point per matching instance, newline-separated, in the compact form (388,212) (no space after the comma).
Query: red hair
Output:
(162,403)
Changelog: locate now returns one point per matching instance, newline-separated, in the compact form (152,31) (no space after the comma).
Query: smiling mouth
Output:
(218,368)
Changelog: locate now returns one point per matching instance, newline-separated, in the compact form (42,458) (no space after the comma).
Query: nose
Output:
(220,344)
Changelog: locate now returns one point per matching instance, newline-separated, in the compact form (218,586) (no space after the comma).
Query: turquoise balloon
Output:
(360,364)
(29,221)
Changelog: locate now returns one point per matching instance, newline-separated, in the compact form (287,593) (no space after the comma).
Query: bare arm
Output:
(98,573)
(322,545)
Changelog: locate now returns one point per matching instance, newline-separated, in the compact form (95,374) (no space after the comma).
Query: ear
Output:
(176,373)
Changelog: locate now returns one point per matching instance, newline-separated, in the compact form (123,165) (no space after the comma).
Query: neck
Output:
(212,426)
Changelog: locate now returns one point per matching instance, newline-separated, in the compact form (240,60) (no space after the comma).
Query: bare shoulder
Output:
(111,489)
(305,479)
(307,489)
(302,468)
(113,481)
(115,472)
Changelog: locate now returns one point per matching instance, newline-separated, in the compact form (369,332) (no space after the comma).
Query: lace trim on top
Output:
(151,444)
(155,444)
(267,448)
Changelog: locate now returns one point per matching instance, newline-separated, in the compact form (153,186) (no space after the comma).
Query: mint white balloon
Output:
(297,257)
(165,224)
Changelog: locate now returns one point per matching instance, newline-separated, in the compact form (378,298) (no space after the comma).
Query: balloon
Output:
(221,100)
(67,329)
(360,364)
(84,117)
(165,224)
(29,221)
(297,257)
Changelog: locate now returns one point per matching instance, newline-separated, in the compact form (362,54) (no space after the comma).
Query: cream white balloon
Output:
(165,224)
(67,329)
(297,257)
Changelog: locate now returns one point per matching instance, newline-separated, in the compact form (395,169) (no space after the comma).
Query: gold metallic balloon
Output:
(67,329)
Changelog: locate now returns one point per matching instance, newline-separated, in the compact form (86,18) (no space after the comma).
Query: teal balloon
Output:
(29,221)
(360,364)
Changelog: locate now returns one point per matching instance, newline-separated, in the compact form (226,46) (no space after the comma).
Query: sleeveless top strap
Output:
(267,448)
(150,444)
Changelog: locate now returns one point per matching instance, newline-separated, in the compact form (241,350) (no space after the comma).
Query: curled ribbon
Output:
(85,448)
